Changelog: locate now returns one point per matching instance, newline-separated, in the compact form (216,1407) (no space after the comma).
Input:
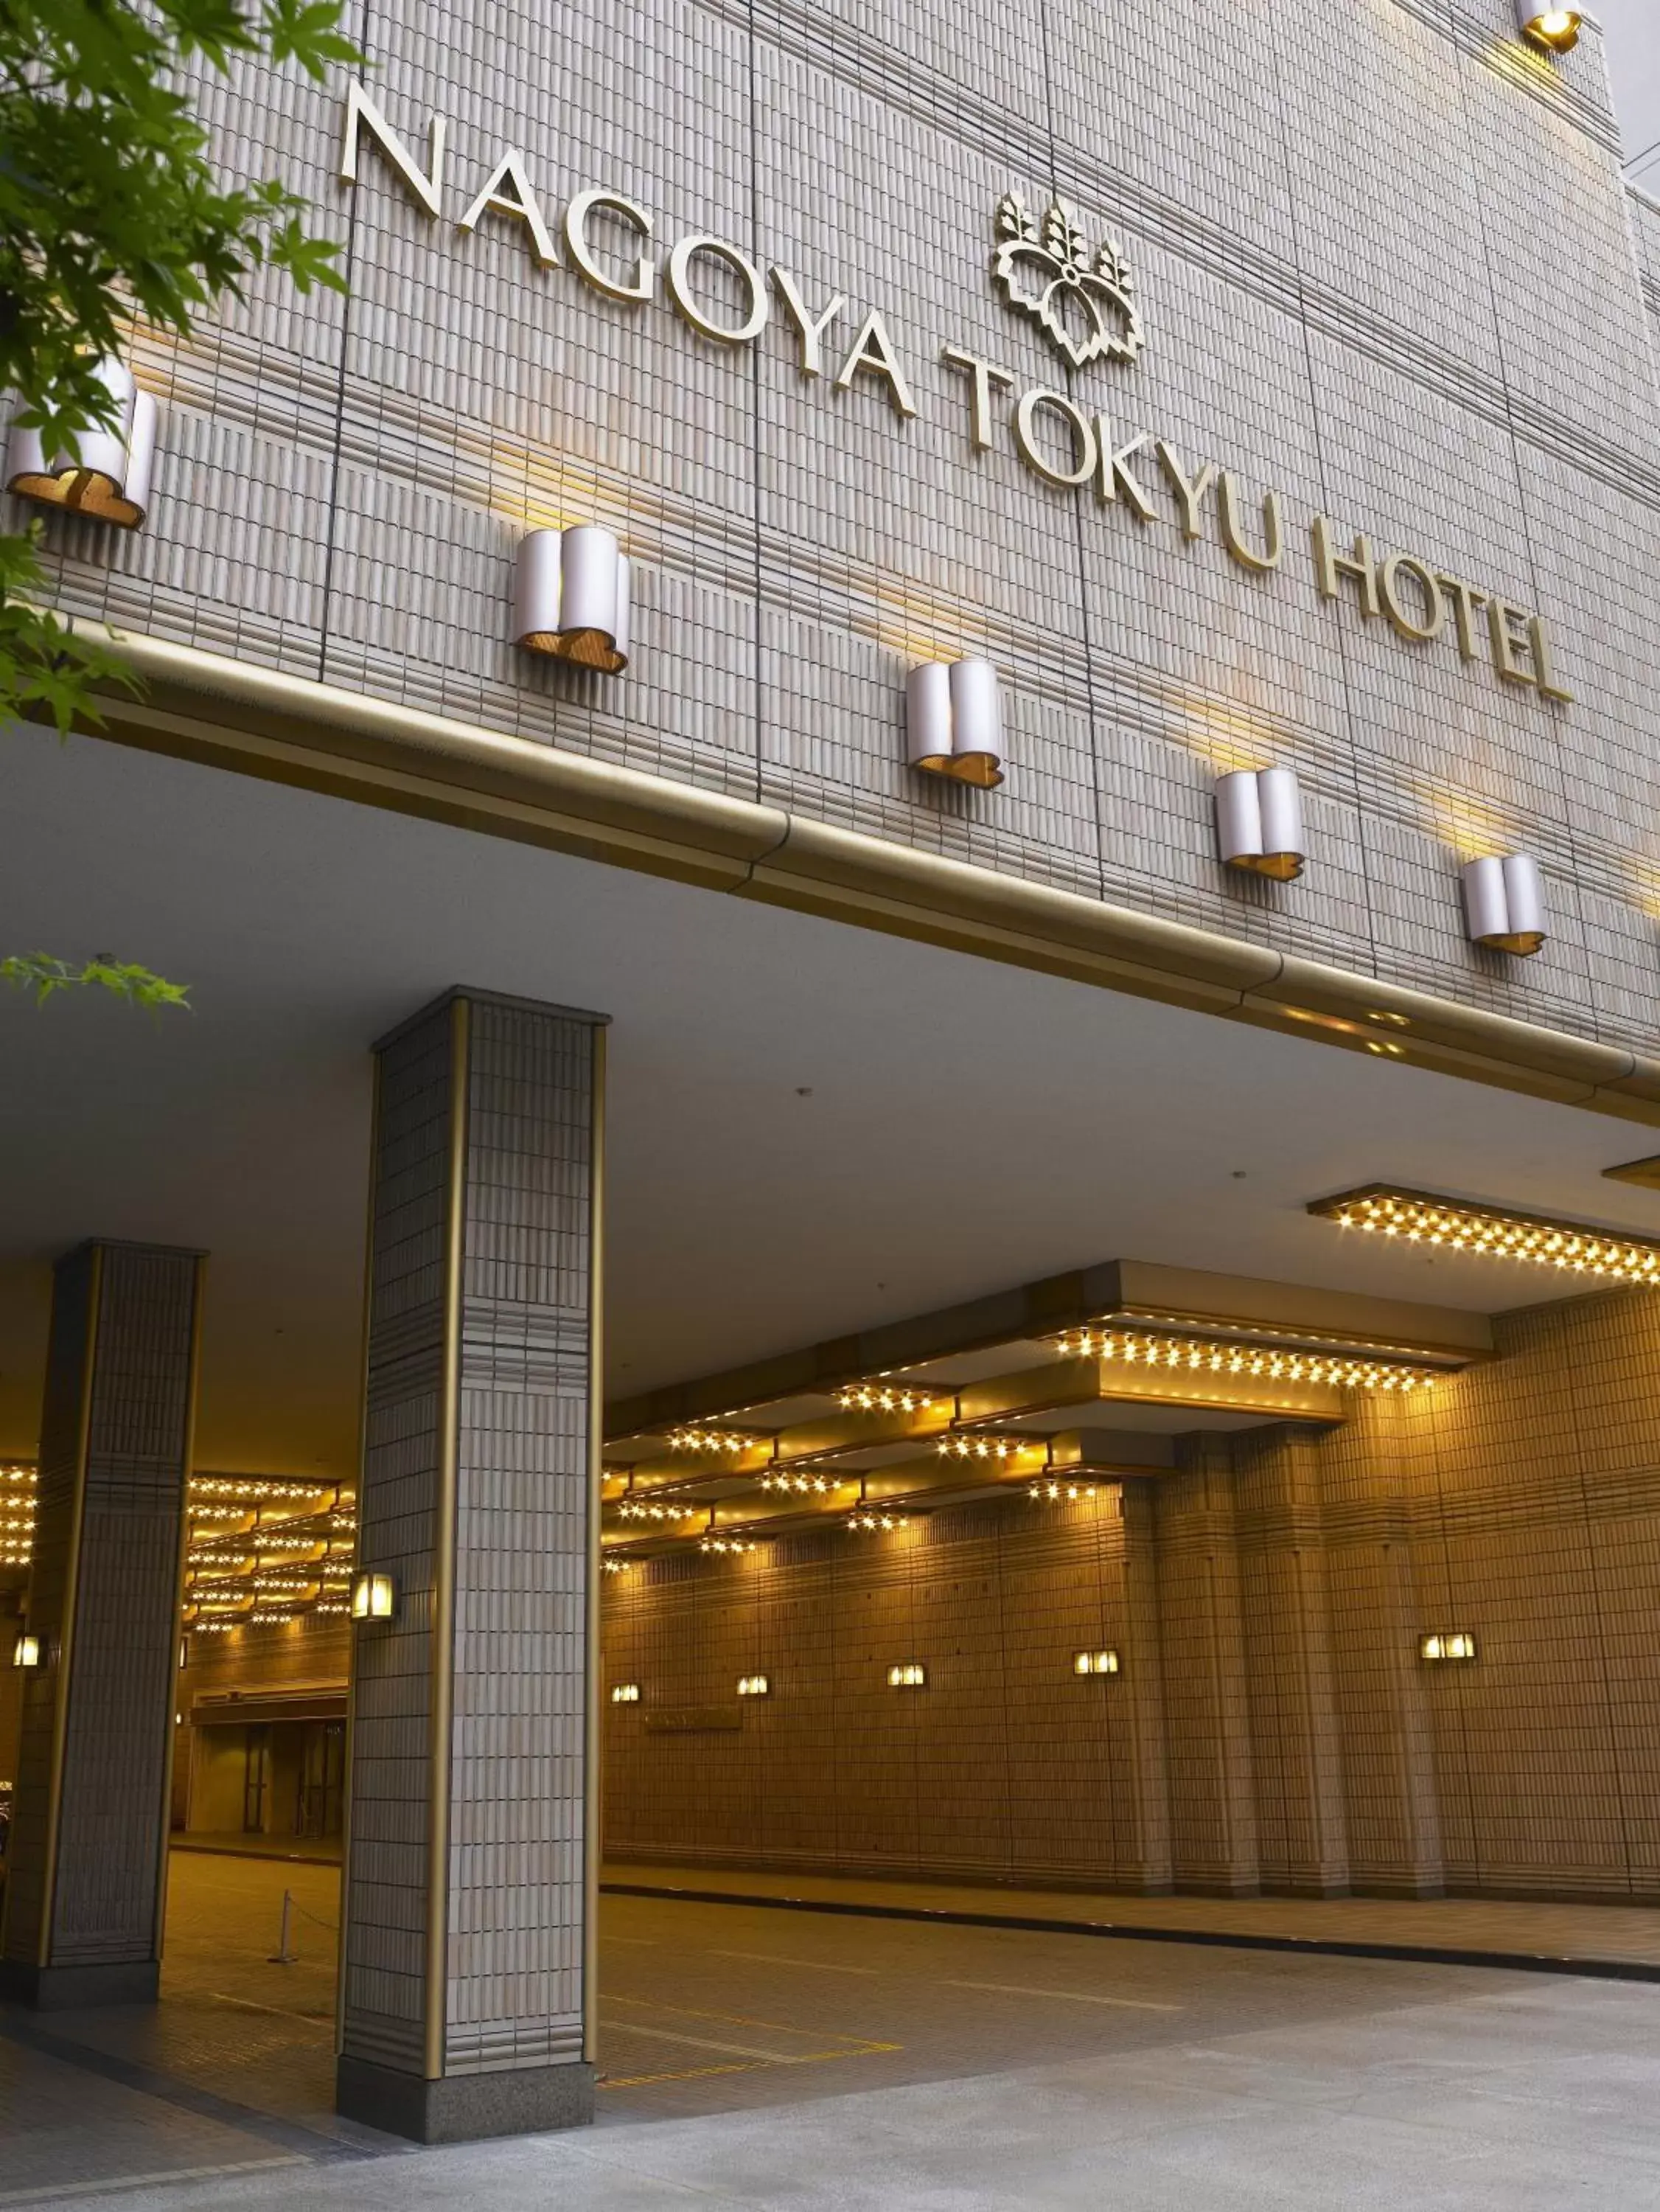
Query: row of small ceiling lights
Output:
(263,1551)
(260,1551)
(571,601)
(912,1674)
(1416,1217)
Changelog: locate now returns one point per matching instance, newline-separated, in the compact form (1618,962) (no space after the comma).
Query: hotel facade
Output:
(951,712)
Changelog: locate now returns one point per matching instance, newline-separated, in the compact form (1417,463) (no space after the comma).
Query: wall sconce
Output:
(571,596)
(953,721)
(910,1674)
(26,1652)
(1094,1662)
(110,480)
(1259,822)
(1503,905)
(1555,29)
(754,1685)
(1453,1644)
(625,1693)
(372,1597)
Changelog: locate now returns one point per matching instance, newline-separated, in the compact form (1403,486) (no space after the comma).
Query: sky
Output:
(1633,31)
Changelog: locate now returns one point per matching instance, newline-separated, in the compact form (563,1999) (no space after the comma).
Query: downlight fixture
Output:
(1556,30)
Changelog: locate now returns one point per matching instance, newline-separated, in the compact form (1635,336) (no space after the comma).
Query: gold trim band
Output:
(442,1654)
(200,707)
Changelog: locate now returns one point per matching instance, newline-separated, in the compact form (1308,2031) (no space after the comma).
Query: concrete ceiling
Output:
(813,1129)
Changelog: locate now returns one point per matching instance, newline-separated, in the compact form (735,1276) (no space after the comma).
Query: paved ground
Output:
(760,2059)
(1614,1931)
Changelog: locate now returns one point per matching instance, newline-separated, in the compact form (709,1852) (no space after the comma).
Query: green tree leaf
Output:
(111,211)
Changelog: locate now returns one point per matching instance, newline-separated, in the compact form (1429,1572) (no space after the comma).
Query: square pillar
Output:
(1212,1809)
(467,1985)
(88,1864)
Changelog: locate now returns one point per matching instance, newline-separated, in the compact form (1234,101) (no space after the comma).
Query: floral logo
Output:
(1045,271)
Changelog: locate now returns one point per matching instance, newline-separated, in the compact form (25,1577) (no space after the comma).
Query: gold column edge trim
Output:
(291,729)
(71,1598)
(441,1655)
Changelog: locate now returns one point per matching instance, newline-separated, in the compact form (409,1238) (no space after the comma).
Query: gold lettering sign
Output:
(1082,302)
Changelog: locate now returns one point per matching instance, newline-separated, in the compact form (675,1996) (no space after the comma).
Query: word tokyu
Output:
(723,295)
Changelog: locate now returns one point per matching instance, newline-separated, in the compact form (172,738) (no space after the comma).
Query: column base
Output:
(64,1989)
(465,2107)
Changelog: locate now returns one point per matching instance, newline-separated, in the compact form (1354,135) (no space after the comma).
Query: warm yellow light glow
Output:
(1451,1225)
(711,1440)
(617,1566)
(752,1685)
(1557,29)
(1056,1493)
(908,1675)
(26,1652)
(727,1544)
(883,1398)
(1207,1356)
(17,1515)
(639,1509)
(868,1521)
(1096,1663)
(1447,1644)
(804,1485)
(625,1693)
(1000,1449)
(372,1597)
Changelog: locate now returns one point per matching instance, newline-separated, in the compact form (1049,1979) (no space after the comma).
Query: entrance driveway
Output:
(761,2059)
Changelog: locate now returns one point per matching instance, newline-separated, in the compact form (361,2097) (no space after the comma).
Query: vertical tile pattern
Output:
(115,1434)
(1273,1724)
(1323,204)
(510,1889)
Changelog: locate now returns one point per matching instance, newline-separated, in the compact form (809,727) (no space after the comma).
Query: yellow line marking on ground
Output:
(730,2018)
(771,1959)
(749,2059)
(755,2066)
(1070,1996)
(685,2074)
(698,2042)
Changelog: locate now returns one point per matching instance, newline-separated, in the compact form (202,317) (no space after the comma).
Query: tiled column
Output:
(1301,1828)
(87,1868)
(1142,1689)
(1212,1813)
(466,1990)
(1380,1478)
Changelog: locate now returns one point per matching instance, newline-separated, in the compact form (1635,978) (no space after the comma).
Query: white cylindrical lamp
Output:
(1259,822)
(953,721)
(571,596)
(109,478)
(1504,903)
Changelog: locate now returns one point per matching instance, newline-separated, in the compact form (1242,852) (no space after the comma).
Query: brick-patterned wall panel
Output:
(87,1851)
(1273,1721)
(1005,1764)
